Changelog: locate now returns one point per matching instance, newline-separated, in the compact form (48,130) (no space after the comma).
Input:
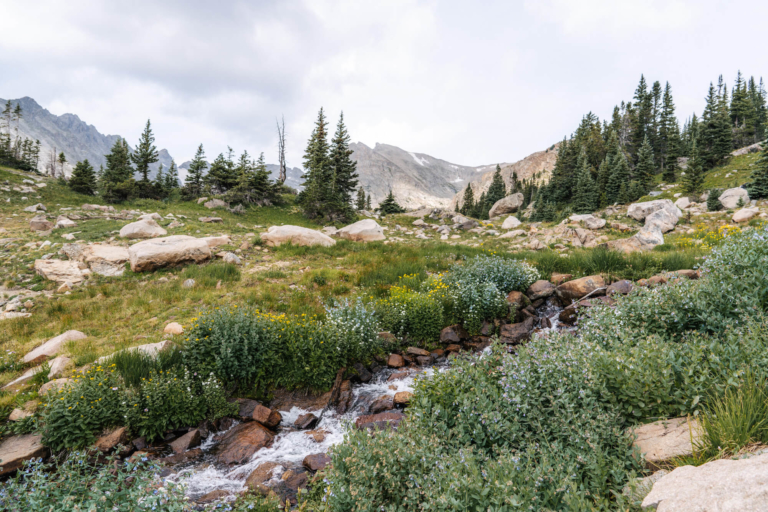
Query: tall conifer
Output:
(83,179)
(193,184)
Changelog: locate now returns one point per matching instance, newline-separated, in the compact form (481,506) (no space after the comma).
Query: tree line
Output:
(604,162)
(16,151)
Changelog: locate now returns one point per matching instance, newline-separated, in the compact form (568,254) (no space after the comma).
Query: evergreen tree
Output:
(343,172)
(83,179)
(243,192)
(360,200)
(497,190)
(603,176)
(144,156)
(619,178)
(624,196)
(645,171)
(222,175)
(117,181)
(468,201)
(264,191)
(585,197)
(317,179)
(158,185)
(642,117)
(390,206)
(193,184)
(694,174)
(62,159)
(758,188)
(714,142)
(481,207)
(713,200)
(368,206)
(741,113)
(172,178)
(669,137)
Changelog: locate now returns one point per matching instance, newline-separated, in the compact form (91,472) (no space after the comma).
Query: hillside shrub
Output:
(411,314)
(80,483)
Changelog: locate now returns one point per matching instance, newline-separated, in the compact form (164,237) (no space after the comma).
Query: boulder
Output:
(620,288)
(17,449)
(54,385)
(367,230)
(509,204)
(541,289)
(106,260)
(239,444)
(662,441)
(661,220)
(415,351)
(266,416)
(589,221)
(35,207)
(296,235)
(535,245)
(189,440)
(380,421)
(402,398)
(381,404)
(721,485)
(54,345)
(730,198)
(142,229)
(745,215)
(639,211)
(152,216)
(261,474)
(683,203)
(169,251)
(63,222)
(306,421)
(453,334)
(210,220)
(316,461)
(231,258)
(558,279)
(216,241)
(58,366)
(40,223)
(173,328)
(510,222)
(512,234)
(18,415)
(111,440)
(395,361)
(216,203)
(60,271)
(513,334)
(578,288)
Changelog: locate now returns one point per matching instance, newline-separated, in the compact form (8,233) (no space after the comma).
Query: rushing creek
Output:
(290,445)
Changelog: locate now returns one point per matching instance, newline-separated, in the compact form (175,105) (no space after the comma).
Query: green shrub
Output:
(135,365)
(507,275)
(209,275)
(169,400)
(75,414)
(82,483)
(410,314)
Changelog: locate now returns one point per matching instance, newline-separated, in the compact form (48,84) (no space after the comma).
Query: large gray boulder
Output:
(60,271)
(169,251)
(40,223)
(639,211)
(511,222)
(367,230)
(17,449)
(509,204)
(296,235)
(730,198)
(662,441)
(588,220)
(146,228)
(723,485)
(54,345)
(661,220)
(106,260)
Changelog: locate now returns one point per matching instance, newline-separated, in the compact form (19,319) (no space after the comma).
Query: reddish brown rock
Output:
(306,421)
(568,315)
(189,440)
(437,353)
(512,334)
(346,397)
(453,348)
(212,496)
(398,376)
(316,461)
(453,334)
(518,299)
(267,416)
(180,458)
(395,361)
(657,280)
(381,404)
(403,398)
(558,279)
(15,450)
(381,420)
(261,474)
(241,442)
(578,288)
(415,351)
(317,435)
(247,406)
(690,274)
(109,442)
(425,360)
(541,289)
(623,287)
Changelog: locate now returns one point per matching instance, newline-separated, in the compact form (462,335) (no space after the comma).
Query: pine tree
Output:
(741,113)
(360,200)
(83,179)
(624,196)
(264,190)
(585,197)
(468,201)
(390,206)
(193,184)
(117,181)
(694,174)
(317,179)
(481,207)
(497,190)
(144,156)
(158,186)
(221,175)
(368,206)
(343,172)
(172,178)
(619,177)
(62,161)
(645,171)
(642,115)
(713,200)
(758,188)
(669,137)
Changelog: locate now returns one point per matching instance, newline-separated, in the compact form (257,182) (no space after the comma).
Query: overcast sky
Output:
(469,82)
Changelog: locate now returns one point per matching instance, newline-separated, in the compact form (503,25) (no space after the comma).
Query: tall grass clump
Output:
(209,275)
(135,365)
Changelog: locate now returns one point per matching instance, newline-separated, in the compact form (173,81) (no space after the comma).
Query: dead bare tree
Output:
(281,149)
(53,159)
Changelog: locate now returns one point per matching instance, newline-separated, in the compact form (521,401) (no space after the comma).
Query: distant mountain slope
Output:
(540,163)
(415,179)
(69,134)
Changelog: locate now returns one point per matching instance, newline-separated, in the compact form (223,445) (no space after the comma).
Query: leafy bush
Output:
(79,483)
(507,275)
(73,415)
(249,347)
(168,400)
(412,314)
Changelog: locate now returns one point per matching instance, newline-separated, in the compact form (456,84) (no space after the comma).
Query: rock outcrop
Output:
(54,345)
(366,230)
(147,228)
(296,235)
(730,198)
(169,251)
(17,449)
(509,204)
(639,211)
